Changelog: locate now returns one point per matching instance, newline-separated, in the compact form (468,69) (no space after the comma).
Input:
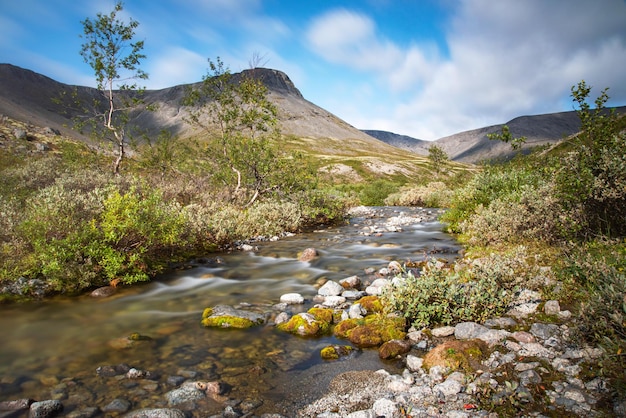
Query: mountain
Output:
(418,146)
(473,146)
(27,96)
(345,151)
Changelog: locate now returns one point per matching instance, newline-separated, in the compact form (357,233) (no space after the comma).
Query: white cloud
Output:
(175,65)
(349,38)
(506,59)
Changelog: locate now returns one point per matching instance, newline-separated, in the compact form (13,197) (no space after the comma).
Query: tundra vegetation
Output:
(68,223)
(552,221)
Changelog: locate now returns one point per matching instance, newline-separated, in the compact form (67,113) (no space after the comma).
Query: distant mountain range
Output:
(474,146)
(27,96)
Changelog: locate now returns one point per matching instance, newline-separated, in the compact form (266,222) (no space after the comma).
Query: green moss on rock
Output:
(333,352)
(227,322)
(371,304)
(342,328)
(306,325)
(465,355)
(371,331)
(223,316)
(322,314)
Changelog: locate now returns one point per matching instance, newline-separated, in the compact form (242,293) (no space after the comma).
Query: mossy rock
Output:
(306,325)
(322,314)
(371,304)
(371,331)
(343,327)
(394,348)
(463,355)
(223,316)
(333,352)
(227,322)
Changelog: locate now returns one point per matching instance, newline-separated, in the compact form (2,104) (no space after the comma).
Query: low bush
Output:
(527,214)
(433,195)
(375,193)
(488,185)
(443,295)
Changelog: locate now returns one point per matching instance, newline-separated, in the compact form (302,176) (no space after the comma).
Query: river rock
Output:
(334,301)
(442,332)
(353,294)
(394,348)
(15,405)
(103,292)
(117,405)
(115,370)
(156,413)
(414,363)
(189,392)
(377,286)
(469,330)
(308,254)
(449,388)
(224,316)
(501,322)
(292,299)
(544,331)
(330,288)
(45,409)
(385,408)
(352,282)
(356,311)
(395,267)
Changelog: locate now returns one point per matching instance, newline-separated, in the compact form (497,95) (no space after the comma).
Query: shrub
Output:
(375,193)
(432,195)
(495,182)
(273,218)
(528,214)
(441,295)
(599,268)
(591,181)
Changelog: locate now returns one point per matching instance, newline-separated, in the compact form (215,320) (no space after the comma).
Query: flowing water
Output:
(52,349)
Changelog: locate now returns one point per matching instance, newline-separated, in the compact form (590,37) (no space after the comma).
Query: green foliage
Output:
(529,214)
(438,158)
(433,195)
(506,136)
(114,57)
(375,193)
(441,295)
(242,122)
(599,267)
(487,186)
(591,181)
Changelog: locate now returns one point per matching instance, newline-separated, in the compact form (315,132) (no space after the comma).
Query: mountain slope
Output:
(418,146)
(473,146)
(28,97)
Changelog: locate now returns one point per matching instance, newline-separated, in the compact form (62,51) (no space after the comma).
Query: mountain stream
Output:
(54,349)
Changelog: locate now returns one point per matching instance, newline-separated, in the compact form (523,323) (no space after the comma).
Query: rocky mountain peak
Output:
(274,80)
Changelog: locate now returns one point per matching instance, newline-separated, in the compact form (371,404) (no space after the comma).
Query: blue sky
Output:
(423,68)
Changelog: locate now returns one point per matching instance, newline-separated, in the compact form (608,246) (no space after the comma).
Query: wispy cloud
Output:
(504,59)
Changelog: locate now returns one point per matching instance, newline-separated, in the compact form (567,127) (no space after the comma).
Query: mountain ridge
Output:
(473,146)
(27,96)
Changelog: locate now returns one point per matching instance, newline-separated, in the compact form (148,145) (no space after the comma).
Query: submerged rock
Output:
(45,409)
(156,413)
(223,316)
(308,254)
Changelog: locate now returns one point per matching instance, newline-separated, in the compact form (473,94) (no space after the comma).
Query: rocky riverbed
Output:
(523,363)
